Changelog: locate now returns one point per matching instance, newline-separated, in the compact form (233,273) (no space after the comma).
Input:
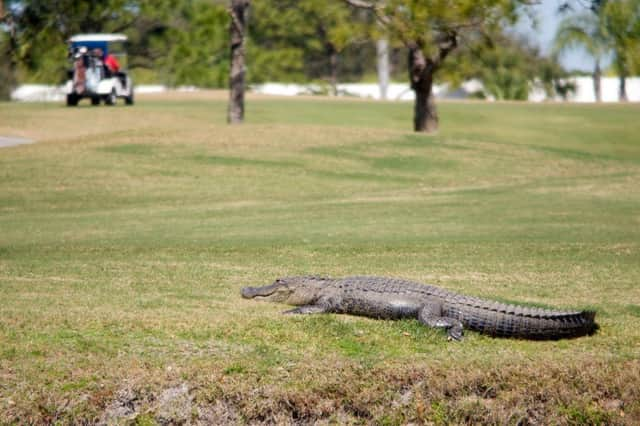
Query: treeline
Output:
(186,42)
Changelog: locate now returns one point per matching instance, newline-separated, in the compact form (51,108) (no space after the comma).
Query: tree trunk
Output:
(333,70)
(425,114)
(421,69)
(623,81)
(382,48)
(236,78)
(9,67)
(623,88)
(597,75)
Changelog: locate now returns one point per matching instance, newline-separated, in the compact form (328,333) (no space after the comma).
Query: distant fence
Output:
(47,93)
(395,91)
(402,92)
(609,88)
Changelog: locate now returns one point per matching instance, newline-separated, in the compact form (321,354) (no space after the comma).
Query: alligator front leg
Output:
(308,309)
(321,306)
(431,316)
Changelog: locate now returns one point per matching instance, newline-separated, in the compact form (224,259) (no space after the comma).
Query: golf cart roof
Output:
(92,38)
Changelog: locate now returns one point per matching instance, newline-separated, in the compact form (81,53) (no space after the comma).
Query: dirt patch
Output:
(173,405)
(124,406)
(218,413)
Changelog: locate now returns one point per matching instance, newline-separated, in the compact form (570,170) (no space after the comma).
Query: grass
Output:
(127,233)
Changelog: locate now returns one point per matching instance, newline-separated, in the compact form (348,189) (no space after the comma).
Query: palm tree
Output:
(585,30)
(610,26)
(621,19)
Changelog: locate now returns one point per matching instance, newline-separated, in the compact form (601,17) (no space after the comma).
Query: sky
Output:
(547,22)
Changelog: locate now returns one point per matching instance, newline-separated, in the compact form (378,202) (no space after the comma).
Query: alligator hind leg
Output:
(431,316)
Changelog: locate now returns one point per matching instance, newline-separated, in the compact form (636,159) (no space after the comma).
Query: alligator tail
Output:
(531,323)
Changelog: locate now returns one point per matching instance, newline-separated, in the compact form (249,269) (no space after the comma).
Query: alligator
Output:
(392,298)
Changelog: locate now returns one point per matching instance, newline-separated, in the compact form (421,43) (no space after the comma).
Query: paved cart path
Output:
(6,141)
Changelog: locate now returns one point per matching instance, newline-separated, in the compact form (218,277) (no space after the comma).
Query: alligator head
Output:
(295,291)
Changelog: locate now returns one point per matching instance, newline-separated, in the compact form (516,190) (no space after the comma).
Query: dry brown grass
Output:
(516,392)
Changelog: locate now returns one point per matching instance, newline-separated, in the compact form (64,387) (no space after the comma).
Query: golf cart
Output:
(98,69)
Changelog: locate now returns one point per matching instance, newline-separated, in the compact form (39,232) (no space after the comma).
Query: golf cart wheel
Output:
(128,100)
(110,99)
(72,99)
(95,100)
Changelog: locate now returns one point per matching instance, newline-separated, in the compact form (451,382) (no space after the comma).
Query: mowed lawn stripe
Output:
(125,240)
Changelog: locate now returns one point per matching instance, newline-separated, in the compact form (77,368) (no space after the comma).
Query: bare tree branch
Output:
(446,45)
(361,4)
(376,8)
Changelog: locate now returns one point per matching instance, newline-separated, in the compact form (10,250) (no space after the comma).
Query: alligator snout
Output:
(248,292)
(251,292)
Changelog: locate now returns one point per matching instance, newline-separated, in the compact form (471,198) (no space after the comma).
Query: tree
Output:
(609,26)
(431,30)
(41,29)
(585,30)
(192,48)
(306,40)
(330,29)
(621,22)
(509,68)
(237,30)
(45,26)
(8,50)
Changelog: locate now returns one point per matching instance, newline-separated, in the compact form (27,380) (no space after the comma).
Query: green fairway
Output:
(126,234)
